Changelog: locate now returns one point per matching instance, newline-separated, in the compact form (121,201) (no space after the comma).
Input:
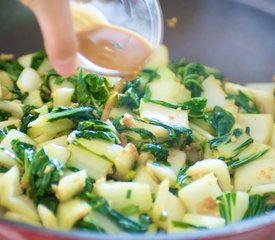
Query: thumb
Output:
(60,41)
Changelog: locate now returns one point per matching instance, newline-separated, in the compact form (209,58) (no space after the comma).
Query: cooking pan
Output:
(236,36)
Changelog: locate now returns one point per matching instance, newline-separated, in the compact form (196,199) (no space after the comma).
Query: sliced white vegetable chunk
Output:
(205,221)
(264,86)
(262,189)
(257,172)
(200,196)
(235,206)
(125,160)
(19,218)
(160,58)
(47,217)
(95,166)
(57,152)
(34,98)
(15,108)
(69,185)
(167,207)
(174,117)
(261,125)
(62,97)
(29,80)
(68,213)
(15,134)
(216,166)
(22,205)
(6,158)
(10,185)
(143,175)
(176,159)
(163,172)
(212,85)
(167,88)
(124,194)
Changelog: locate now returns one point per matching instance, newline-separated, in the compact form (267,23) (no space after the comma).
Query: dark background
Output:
(238,37)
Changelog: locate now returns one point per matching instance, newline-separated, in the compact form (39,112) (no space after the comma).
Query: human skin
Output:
(59,38)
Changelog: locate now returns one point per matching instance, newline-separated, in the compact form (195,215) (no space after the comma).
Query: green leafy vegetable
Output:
(258,205)
(91,90)
(126,224)
(90,134)
(193,74)
(130,210)
(29,116)
(157,150)
(196,106)
(42,173)
(185,225)
(4,115)
(143,133)
(174,132)
(245,102)
(182,178)
(148,75)
(87,224)
(74,113)
(221,120)
(12,68)
(96,129)
(37,59)
(131,95)
(237,140)
(225,202)
(239,160)
(24,153)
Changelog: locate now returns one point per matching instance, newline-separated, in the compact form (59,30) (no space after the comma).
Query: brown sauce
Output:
(114,48)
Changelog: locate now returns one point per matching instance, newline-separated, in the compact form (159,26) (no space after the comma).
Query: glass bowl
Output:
(143,17)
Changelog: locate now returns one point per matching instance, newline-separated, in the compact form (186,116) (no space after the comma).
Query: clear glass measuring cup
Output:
(142,17)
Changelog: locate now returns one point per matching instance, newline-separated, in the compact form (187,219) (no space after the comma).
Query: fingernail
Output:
(65,67)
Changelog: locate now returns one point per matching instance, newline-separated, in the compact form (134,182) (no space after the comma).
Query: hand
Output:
(59,37)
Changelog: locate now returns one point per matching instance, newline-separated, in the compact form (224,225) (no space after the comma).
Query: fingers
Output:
(60,41)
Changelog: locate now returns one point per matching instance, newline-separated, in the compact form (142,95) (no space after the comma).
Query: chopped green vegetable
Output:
(90,134)
(77,114)
(157,150)
(130,210)
(182,178)
(193,74)
(37,59)
(185,225)
(4,115)
(42,173)
(29,116)
(225,202)
(100,205)
(87,224)
(96,129)
(221,120)
(245,102)
(129,193)
(91,90)
(143,133)
(12,68)
(131,95)
(24,153)
(148,75)
(3,169)
(231,143)
(258,205)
